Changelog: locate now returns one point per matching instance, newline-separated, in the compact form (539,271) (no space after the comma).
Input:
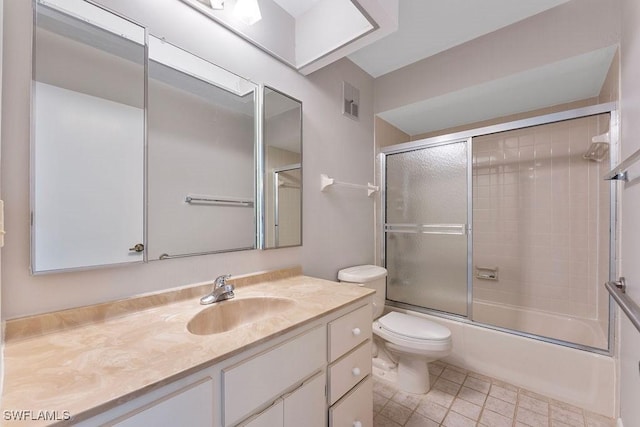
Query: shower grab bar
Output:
(456,229)
(619,173)
(224,201)
(617,290)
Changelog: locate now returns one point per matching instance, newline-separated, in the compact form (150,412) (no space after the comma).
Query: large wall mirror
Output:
(87,149)
(201,156)
(282,170)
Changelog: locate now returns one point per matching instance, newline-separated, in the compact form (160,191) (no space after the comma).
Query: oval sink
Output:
(227,315)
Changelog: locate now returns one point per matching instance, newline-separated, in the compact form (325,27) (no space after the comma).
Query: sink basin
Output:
(227,315)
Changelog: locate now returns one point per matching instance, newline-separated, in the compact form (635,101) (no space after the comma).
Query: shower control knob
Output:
(356,332)
(357,424)
(355,372)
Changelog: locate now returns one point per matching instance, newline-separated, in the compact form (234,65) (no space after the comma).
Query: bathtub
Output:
(578,377)
(585,332)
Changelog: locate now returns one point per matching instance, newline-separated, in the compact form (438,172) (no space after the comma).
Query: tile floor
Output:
(460,398)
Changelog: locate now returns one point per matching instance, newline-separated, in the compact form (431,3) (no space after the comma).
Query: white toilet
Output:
(412,341)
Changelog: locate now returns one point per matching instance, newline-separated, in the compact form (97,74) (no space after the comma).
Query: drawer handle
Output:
(356,332)
(357,424)
(355,372)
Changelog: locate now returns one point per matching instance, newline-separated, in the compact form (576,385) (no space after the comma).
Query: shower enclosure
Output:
(507,226)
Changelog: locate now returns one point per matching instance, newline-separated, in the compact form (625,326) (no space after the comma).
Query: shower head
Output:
(597,151)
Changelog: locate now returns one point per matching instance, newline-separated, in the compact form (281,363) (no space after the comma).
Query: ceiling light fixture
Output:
(213,4)
(247,11)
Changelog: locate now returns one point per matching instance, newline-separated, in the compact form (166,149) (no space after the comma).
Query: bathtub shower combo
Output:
(507,226)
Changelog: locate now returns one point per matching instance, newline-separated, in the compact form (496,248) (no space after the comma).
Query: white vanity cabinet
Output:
(313,376)
(350,387)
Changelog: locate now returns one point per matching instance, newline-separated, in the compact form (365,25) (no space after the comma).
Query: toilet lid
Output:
(413,327)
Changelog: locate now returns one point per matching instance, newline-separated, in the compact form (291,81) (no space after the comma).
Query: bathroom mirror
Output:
(201,156)
(282,170)
(87,144)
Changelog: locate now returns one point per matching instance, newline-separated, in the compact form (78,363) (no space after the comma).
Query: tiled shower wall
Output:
(541,216)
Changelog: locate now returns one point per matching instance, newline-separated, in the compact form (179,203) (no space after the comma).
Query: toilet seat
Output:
(413,334)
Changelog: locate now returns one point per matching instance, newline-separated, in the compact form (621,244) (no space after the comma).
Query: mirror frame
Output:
(262,244)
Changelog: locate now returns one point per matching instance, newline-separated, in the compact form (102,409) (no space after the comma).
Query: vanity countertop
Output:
(88,360)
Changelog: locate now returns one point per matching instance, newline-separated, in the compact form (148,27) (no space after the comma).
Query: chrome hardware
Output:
(617,290)
(139,247)
(221,291)
(620,284)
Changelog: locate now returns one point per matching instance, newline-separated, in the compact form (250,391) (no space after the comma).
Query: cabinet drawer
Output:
(254,382)
(349,371)
(306,405)
(270,417)
(356,407)
(348,331)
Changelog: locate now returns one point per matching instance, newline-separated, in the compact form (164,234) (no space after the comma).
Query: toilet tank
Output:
(372,277)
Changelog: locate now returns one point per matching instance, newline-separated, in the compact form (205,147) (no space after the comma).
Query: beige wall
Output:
(629,337)
(573,28)
(540,214)
(337,224)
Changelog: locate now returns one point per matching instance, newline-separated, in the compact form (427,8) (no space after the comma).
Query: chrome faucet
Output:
(221,291)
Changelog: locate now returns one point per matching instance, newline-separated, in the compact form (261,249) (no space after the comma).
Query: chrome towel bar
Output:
(619,173)
(617,290)
(224,201)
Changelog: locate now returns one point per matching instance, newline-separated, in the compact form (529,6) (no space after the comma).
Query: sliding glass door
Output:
(426,226)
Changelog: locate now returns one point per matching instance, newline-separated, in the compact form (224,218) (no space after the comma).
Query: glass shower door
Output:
(426,226)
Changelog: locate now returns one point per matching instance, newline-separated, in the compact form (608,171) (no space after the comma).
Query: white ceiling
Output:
(427,27)
(572,79)
(296,8)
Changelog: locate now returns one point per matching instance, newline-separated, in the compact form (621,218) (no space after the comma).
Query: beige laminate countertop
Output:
(95,365)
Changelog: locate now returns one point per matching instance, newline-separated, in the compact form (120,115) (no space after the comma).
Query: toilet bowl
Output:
(412,341)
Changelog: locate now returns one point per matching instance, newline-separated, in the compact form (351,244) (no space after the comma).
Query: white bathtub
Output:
(576,330)
(578,377)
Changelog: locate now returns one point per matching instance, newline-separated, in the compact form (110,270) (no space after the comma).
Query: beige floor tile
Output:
(432,410)
(396,412)
(472,396)
(596,420)
(525,392)
(382,421)
(500,406)
(409,400)
(453,419)
(467,409)
(418,420)
(503,394)
(566,416)
(447,386)
(493,419)
(505,385)
(477,384)
(530,418)
(435,371)
(453,375)
(378,402)
(384,389)
(533,404)
(439,397)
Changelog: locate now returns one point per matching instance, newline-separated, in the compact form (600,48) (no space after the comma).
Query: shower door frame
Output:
(468,135)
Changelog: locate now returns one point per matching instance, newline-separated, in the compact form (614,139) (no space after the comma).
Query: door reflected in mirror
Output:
(282,169)
(87,154)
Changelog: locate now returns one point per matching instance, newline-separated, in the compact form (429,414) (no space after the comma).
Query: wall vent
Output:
(350,101)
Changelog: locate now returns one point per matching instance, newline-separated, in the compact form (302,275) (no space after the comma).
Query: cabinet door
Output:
(270,417)
(305,406)
(191,406)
